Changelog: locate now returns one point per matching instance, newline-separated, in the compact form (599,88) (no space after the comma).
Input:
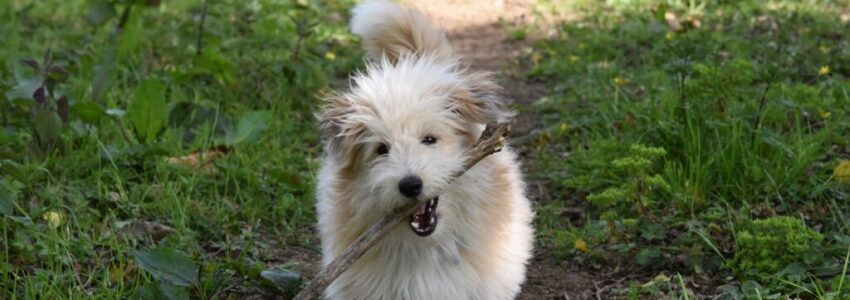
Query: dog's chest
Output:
(437,272)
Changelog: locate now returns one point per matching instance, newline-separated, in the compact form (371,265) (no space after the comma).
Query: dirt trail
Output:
(479,30)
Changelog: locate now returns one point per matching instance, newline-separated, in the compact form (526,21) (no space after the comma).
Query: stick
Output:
(491,141)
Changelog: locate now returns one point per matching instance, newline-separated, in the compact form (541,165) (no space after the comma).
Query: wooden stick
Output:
(491,141)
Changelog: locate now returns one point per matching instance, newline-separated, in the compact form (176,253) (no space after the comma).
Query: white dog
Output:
(396,137)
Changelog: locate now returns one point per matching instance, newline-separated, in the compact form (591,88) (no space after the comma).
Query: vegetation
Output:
(703,138)
(160,149)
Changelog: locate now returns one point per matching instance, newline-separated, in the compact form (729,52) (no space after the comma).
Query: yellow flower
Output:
(564,127)
(536,57)
(582,246)
(53,219)
(620,81)
(824,70)
(573,58)
(669,36)
(824,114)
(842,171)
(330,56)
(823,49)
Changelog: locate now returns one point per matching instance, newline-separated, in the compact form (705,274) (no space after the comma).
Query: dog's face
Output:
(402,132)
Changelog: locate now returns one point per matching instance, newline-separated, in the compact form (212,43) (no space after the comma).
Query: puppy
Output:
(397,136)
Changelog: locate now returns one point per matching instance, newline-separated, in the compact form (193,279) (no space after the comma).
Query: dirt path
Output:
(479,30)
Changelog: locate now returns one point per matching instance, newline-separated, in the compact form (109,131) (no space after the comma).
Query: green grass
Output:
(749,106)
(70,191)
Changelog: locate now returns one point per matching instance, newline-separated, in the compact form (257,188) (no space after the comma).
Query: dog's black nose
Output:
(410,186)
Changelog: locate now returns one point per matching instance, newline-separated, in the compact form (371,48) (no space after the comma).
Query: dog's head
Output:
(402,131)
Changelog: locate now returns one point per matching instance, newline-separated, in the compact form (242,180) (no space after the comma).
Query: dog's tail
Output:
(391,31)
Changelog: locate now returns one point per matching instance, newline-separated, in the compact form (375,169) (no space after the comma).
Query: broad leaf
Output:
(8,194)
(168,265)
(25,88)
(103,72)
(132,35)
(162,290)
(88,111)
(47,126)
(191,117)
(147,110)
(249,128)
(283,279)
(648,255)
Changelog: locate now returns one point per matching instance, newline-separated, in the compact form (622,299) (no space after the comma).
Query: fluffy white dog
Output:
(396,136)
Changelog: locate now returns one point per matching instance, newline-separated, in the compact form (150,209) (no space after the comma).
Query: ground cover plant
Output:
(151,148)
(707,139)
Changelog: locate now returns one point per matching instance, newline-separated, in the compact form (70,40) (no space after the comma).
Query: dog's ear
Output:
(478,101)
(335,122)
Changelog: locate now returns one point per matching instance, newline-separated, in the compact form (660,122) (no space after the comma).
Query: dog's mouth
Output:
(423,221)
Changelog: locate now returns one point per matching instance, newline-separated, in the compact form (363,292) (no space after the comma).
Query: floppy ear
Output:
(335,123)
(478,100)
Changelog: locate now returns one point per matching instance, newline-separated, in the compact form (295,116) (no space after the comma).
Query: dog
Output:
(397,135)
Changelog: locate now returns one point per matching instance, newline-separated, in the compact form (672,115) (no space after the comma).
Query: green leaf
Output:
(162,290)
(191,118)
(132,36)
(283,279)
(99,12)
(648,255)
(47,126)
(8,194)
(147,111)
(249,128)
(168,265)
(103,72)
(88,111)
(660,12)
(24,89)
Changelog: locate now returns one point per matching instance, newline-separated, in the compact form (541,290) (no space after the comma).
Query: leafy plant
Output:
(767,246)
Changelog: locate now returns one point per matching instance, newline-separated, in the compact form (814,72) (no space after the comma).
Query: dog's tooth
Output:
(432,220)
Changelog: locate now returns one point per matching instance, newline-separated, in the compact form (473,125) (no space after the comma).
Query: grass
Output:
(745,105)
(214,143)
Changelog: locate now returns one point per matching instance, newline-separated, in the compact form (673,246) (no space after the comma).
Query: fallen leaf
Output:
(198,161)
(658,279)
(673,21)
(137,229)
(842,171)
(121,273)
(582,246)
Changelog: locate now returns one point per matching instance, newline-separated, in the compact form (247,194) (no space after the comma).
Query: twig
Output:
(491,141)
(200,45)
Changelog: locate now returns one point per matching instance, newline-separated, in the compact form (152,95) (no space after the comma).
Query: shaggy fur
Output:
(414,87)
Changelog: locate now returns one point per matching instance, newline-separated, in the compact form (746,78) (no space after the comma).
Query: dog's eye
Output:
(383,149)
(429,140)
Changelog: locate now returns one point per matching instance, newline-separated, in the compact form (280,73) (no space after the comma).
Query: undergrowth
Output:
(702,137)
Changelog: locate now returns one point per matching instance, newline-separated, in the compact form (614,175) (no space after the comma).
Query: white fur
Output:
(483,238)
